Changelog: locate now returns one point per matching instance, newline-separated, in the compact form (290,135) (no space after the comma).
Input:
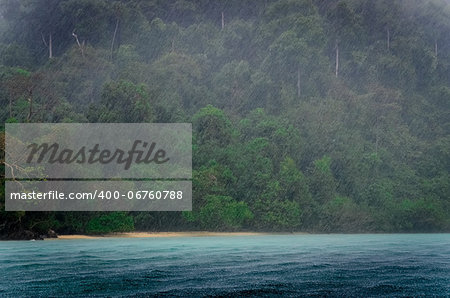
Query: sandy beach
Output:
(170,234)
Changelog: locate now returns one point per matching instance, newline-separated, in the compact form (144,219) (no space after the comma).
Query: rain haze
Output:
(308,117)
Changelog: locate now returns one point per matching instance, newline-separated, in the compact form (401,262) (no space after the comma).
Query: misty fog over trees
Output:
(308,115)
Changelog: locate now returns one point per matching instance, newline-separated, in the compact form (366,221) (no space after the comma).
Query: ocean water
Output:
(276,265)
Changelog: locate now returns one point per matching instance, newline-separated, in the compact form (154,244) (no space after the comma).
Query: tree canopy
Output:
(308,115)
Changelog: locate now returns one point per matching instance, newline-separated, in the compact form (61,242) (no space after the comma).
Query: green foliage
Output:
(323,165)
(221,213)
(341,214)
(277,215)
(275,127)
(322,182)
(233,83)
(214,179)
(109,223)
(212,126)
(420,215)
(15,55)
(293,183)
(11,120)
(124,101)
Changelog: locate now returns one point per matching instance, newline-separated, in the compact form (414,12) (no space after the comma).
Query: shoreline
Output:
(200,234)
(170,235)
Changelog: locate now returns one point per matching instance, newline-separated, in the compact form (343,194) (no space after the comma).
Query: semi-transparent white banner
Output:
(98,195)
(98,150)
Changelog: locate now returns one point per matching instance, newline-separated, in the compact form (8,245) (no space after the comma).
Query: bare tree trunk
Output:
(50,47)
(337,58)
(10,106)
(223,20)
(298,83)
(388,38)
(30,100)
(377,134)
(435,48)
(114,37)
(43,40)
(78,43)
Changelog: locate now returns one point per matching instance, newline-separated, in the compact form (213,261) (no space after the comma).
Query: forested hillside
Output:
(308,115)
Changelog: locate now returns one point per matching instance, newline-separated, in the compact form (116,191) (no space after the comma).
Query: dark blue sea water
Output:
(292,265)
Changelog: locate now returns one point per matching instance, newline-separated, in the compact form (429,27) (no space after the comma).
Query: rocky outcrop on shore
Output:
(22,234)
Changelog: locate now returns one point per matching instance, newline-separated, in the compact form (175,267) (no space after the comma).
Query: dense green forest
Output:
(308,115)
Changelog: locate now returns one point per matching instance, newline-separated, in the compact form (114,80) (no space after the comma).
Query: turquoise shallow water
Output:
(293,265)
